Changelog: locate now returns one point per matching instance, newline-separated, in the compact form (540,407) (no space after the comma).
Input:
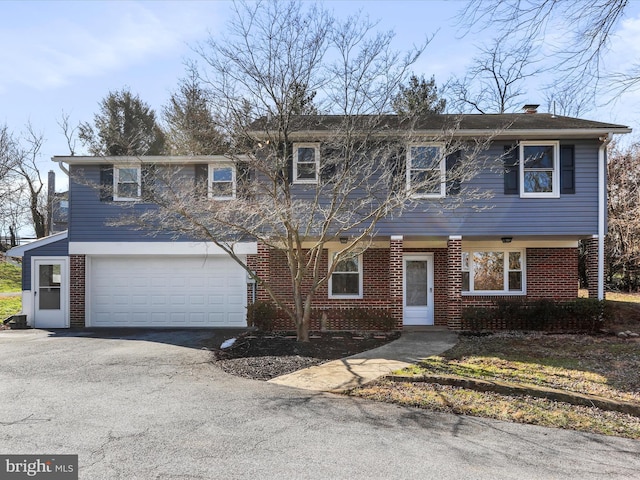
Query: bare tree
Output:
(586,26)
(622,248)
(494,83)
(567,101)
(69,132)
(285,198)
(27,170)
(21,187)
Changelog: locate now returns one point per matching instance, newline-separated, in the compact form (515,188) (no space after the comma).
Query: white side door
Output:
(51,292)
(418,289)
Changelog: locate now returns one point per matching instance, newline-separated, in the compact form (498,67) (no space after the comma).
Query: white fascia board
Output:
(158,248)
(41,242)
(150,159)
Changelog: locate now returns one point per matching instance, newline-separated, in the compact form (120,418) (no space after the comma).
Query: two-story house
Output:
(424,266)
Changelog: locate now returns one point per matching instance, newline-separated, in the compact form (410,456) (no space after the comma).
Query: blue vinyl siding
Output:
(89,217)
(55,249)
(571,214)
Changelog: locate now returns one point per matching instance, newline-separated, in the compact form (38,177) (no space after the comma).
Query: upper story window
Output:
(127,183)
(539,171)
(346,280)
(426,174)
(222,182)
(306,162)
(493,272)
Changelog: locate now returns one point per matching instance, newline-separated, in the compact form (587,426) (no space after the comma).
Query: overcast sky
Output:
(66,56)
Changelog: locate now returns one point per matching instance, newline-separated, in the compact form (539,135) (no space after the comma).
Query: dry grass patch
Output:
(595,365)
(520,409)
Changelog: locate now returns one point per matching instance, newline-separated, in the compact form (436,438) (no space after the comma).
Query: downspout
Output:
(602,206)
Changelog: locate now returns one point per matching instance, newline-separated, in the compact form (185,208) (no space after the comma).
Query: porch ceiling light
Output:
(506,239)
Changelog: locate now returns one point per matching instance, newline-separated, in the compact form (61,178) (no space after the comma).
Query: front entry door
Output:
(418,290)
(50,293)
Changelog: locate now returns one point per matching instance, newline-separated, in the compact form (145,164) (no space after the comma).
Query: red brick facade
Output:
(550,273)
(77,290)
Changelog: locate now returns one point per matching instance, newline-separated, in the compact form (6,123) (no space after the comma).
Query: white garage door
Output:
(166,292)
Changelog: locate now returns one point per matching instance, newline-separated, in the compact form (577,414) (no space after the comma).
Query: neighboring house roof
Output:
(41,242)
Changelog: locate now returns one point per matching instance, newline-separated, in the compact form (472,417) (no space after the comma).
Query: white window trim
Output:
(332,255)
(505,282)
(555,189)
(116,180)
(443,170)
(210,181)
(316,149)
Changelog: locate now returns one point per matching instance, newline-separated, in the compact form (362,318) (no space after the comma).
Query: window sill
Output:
(345,297)
(493,294)
(539,195)
(122,199)
(305,182)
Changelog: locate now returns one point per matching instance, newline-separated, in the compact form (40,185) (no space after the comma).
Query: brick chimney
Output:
(530,108)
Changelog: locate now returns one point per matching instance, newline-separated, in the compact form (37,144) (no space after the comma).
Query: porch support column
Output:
(77,281)
(395,279)
(595,277)
(262,268)
(454,282)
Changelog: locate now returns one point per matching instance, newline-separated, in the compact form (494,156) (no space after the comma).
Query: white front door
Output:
(418,289)
(50,293)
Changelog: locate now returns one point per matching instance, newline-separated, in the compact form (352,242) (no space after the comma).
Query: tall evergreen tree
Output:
(419,97)
(191,126)
(125,125)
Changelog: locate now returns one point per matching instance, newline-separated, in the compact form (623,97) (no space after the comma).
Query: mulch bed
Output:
(263,356)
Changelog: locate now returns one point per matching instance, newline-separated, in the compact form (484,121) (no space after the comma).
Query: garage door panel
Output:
(167,291)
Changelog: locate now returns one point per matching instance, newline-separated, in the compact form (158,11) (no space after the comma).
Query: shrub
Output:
(581,314)
(370,318)
(262,315)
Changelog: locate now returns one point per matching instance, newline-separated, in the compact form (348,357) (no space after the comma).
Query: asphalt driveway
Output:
(150,405)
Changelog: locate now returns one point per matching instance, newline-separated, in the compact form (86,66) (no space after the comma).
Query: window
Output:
(126,183)
(306,163)
(489,272)
(539,169)
(346,280)
(426,171)
(222,182)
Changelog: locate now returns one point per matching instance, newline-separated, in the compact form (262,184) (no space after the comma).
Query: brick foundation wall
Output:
(77,291)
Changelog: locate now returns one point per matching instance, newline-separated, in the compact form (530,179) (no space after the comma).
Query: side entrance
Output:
(418,289)
(50,279)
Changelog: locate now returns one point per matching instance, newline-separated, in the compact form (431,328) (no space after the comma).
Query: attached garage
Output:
(165,291)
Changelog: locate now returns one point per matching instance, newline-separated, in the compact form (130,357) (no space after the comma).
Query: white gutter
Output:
(602,205)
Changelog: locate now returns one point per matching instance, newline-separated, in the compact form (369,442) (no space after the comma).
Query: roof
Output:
(41,242)
(505,124)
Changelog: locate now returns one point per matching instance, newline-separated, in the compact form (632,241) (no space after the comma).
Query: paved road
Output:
(151,406)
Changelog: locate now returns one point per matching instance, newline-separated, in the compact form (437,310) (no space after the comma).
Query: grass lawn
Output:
(9,306)
(10,277)
(606,366)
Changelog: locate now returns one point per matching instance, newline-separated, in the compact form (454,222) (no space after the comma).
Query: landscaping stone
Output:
(622,335)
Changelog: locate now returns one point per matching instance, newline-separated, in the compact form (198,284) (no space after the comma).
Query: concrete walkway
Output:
(364,367)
